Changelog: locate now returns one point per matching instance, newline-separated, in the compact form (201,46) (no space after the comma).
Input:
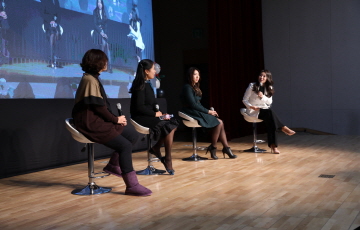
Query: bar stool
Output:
(254,121)
(192,123)
(150,170)
(91,188)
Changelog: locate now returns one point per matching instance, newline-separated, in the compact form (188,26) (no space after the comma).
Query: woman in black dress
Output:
(93,118)
(191,96)
(101,37)
(144,111)
(52,18)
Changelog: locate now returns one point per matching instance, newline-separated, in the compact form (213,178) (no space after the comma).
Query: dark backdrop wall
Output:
(33,135)
(223,39)
(34,131)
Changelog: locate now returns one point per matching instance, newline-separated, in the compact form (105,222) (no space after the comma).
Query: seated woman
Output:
(191,96)
(258,99)
(93,118)
(144,111)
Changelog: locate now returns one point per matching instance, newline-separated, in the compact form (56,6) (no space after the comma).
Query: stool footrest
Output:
(154,159)
(195,157)
(99,173)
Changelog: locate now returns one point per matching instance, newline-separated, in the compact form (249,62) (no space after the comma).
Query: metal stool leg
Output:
(195,156)
(91,188)
(255,149)
(150,170)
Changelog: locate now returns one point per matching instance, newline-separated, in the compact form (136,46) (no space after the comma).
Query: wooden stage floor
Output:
(254,191)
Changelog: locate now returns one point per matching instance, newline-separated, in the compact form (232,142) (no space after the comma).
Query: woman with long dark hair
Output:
(101,37)
(93,118)
(191,96)
(258,100)
(144,111)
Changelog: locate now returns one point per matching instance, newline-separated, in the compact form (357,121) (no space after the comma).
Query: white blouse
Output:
(252,99)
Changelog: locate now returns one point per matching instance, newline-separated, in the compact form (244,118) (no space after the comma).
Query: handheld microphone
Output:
(212,109)
(118,105)
(260,87)
(157,108)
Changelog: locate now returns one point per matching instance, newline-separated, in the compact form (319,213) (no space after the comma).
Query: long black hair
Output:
(190,80)
(139,81)
(268,84)
(104,15)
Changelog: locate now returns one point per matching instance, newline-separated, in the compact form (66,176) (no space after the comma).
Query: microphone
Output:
(212,109)
(118,105)
(259,89)
(157,108)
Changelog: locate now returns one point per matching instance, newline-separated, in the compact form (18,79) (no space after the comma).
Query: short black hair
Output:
(94,61)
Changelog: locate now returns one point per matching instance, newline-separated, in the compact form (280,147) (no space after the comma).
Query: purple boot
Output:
(113,166)
(133,187)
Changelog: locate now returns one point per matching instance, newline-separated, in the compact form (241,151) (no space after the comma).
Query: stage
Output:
(253,191)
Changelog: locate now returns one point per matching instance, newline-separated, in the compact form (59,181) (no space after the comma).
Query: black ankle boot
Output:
(212,150)
(227,150)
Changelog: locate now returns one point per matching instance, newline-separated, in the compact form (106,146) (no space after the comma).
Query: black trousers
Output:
(272,123)
(123,145)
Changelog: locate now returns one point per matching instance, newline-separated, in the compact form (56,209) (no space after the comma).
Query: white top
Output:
(252,99)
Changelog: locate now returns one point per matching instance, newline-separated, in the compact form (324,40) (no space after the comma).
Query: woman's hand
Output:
(214,113)
(166,117)
(158,114)
(122,120)
(254,108)
(260,94)
(3,14)
(103,35)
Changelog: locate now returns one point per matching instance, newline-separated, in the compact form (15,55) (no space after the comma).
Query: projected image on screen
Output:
(42,43)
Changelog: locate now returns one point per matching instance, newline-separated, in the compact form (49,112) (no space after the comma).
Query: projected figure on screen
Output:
(4,26)
(52,28)
(134,25)
(100,36)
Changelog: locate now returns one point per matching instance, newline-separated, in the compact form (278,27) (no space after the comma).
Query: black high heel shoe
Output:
(212,150)
(170,171)
(227,150)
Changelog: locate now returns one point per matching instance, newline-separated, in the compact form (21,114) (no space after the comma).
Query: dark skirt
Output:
(158,128)
(53,30)
(205,120)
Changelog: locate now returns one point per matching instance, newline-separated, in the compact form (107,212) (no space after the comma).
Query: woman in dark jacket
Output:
(93,118)
(191,96)
(144,111)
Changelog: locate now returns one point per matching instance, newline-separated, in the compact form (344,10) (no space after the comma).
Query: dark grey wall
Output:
(312,49)
(181,40)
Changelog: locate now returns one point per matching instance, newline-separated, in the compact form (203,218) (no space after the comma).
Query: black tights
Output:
(53,38)
(167,141)
(218,133)
(106,49)
(123,145)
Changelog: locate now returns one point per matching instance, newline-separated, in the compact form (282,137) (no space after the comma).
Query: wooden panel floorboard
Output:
(253,191)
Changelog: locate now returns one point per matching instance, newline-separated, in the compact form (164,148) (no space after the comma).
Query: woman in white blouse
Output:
(258,100)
